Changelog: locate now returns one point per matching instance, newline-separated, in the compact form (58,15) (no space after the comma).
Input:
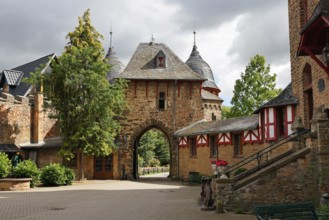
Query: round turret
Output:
(116,65)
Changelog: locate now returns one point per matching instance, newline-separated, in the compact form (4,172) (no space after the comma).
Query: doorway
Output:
(103,167)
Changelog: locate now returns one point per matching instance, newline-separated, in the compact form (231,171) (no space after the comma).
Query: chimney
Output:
(37,117)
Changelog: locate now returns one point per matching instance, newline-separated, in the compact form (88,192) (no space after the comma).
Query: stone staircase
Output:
(276,163)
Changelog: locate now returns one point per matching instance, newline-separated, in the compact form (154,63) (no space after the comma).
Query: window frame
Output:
(213,146)
(237,146)
(193,147)
(162,101)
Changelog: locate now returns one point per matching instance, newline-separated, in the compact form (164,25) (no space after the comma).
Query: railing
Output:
(257,156)
(151,170)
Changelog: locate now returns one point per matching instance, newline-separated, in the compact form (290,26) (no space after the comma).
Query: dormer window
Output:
(160,60)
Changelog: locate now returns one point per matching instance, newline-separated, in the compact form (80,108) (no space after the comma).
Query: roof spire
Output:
(111,35)
(194,32)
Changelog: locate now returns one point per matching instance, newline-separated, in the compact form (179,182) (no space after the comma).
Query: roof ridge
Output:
(190,126)
(50,55)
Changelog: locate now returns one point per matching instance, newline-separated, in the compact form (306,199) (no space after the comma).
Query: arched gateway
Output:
(163,93)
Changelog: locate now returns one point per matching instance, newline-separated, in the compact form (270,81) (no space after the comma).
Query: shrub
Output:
(57,175)
(53,175)
(5,165)
(70,176)
(27,169)
(324,210)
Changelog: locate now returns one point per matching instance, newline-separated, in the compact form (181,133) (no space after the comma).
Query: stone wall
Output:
(211,107)
(182,106)
(15,120)
(298,64)
(294,182)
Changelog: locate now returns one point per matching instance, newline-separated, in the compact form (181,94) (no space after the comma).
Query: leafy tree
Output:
(154,146)
(87,106)
(226,112)
(255,87)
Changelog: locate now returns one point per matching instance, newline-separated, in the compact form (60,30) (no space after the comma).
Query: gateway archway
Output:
(137,145)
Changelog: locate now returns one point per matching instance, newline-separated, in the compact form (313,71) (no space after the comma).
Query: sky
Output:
(228,32)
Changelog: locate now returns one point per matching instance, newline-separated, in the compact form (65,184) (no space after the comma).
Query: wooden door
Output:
(103,167)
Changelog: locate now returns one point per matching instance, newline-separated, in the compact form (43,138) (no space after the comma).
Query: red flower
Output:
(219,162)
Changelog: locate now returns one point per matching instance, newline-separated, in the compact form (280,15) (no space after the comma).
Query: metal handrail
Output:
(257,156)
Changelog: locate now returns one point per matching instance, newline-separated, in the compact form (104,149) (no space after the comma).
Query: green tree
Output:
(226,112)
(87,106)
(255,87)
(154,146)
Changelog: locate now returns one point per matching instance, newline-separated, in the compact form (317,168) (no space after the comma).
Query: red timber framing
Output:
(224,138)
(314,39)
(260,127)
(202,140)
(182,142)
(270,124)
(289,119)
(251,136)
(178,89)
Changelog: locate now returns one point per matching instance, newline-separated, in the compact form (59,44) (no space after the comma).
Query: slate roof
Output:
(12,77)
(142,65)
(116,65)
(209,96)
(322,9)
(22,88)
(213,127)
(201,67)
(284,98)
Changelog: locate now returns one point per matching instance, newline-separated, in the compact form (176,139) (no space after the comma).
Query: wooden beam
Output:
(324,67)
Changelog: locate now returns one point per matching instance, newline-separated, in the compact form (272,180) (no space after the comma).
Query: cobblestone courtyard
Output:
(144,199)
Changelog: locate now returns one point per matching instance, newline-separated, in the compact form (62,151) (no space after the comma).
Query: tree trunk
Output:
(81,170)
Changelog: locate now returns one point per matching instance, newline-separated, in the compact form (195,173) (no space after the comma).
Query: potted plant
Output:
(219,167)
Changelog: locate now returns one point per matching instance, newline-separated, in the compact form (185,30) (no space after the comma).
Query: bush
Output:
(27,169)
(56,175)
(5,165)
(53,175)
(324,210)
(70,176)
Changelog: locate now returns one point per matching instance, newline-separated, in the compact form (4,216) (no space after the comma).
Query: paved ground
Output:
(145,199)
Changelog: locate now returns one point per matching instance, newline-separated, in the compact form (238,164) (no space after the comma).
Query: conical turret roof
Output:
(116,65)
(201,67)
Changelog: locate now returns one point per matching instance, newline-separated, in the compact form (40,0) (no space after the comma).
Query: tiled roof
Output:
(142,65)
(201,67)
(23,88)
(285,98)
(213,127)
(13,77)
(209,96)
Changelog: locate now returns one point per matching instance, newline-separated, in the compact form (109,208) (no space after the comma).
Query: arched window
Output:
(308,94)
(307,76)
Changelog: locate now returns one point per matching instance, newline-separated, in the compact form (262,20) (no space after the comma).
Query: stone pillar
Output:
(37,123)
(320,126)
(224,190)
